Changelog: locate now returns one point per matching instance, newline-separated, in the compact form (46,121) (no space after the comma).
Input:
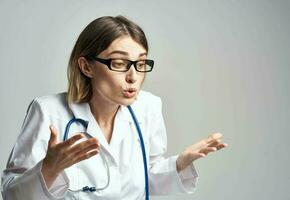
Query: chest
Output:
(118,168)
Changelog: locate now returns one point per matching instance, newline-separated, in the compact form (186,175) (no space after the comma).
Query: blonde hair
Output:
(95,38)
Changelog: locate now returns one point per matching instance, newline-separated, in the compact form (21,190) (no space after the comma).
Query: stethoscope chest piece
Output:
(84,124)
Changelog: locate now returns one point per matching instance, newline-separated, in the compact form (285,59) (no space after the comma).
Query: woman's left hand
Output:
(199,150)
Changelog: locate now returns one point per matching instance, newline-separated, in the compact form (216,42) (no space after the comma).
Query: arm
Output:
(22,178)
(163,174)
(176,174)
(36,166)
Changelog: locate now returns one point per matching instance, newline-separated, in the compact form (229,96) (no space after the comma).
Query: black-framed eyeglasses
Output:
(123,65)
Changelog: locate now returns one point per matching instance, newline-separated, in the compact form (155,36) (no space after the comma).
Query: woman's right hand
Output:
(61,155)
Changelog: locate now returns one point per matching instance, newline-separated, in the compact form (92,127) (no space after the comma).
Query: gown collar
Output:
(122,126)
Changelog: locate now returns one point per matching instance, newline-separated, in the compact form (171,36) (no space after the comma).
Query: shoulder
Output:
(147,103)
(146,99)
(47,100)
(148,109)
(51,104)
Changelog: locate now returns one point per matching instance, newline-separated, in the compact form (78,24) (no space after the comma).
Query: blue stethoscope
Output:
(85,124)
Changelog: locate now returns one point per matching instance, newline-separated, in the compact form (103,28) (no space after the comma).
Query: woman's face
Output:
(119,88)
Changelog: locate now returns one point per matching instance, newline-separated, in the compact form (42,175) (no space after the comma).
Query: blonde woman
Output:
(104,138)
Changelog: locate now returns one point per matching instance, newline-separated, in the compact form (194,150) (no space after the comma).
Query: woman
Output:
(100,155)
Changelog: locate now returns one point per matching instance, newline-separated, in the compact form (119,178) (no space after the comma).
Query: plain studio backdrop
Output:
(221,66)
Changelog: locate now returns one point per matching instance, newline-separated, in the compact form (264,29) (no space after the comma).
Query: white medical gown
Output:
(22,179)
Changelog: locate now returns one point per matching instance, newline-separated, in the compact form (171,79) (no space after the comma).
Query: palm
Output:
(200,149)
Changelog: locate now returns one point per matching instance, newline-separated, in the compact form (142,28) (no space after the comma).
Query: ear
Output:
(85,67)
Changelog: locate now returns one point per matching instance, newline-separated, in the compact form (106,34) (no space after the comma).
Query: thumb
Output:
(53,136)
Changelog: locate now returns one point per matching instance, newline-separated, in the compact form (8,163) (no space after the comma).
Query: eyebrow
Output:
(126,53)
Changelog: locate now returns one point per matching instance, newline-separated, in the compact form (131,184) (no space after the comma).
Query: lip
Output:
(130,92)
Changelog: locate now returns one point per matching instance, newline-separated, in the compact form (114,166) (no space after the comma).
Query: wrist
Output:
(178,165)
(49,175)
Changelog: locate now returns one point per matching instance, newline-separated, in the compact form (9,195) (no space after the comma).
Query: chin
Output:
(127,101)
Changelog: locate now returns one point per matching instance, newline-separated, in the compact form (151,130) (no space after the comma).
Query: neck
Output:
(103,111)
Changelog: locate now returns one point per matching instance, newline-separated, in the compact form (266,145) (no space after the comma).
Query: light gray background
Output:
(220,66)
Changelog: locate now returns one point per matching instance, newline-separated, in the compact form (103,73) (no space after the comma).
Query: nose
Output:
(131,75)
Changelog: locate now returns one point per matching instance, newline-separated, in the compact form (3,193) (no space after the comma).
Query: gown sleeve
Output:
(163,176)
(22,178)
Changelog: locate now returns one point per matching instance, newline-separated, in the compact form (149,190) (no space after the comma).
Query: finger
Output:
(206,143)
(199,145)
(214,136)
(88,155)
(206,150)
(68,143)
(197,155)
(209,141)
(214,143)
(53,136)
(220,146)
(83,157)
(87,150)
(69,157)
(85,146)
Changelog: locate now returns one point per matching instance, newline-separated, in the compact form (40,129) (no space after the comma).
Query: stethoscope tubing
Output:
(143,152)
(85,124)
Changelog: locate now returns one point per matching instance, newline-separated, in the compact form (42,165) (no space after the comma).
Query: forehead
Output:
(125,44)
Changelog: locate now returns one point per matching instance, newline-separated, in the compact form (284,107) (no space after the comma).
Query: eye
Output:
(119,63)
(141,64)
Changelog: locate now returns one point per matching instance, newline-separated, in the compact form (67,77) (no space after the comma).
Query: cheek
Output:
(107,81)
(141,80)
(112,82)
